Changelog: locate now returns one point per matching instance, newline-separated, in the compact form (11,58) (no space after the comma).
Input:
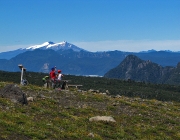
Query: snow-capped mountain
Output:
(55,46)
(47,45)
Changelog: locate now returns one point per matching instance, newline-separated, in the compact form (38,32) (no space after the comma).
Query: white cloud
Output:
(130,45)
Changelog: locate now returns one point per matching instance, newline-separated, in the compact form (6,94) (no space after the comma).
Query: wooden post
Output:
(22,70)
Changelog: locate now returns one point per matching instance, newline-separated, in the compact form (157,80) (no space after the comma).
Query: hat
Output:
(59,71)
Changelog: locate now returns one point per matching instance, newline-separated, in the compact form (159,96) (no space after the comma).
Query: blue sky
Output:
(94,25)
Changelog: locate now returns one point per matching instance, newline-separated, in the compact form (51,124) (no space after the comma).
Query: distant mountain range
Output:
(133,68)
(77,61)
(69,61)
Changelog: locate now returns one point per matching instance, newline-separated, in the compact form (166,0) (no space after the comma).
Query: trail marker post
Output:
(22,73)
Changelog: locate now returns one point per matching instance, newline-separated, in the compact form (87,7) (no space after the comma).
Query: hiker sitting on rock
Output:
(46,81)
(59,78)
(52,75)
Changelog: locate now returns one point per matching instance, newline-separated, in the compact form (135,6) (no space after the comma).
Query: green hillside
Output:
(63,115)
(162,92)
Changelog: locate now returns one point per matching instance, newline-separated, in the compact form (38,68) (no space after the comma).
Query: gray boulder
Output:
(14,93)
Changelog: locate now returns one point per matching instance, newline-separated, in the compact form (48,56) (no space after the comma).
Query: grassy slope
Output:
(65,115)
(127,88)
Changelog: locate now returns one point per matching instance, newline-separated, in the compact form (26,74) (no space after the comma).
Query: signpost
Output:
(22,73)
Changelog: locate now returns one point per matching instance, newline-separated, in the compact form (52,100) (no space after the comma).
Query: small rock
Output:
(30,99)
(7,108)
(118,96)
(91,135)
(107,91)
(102,118)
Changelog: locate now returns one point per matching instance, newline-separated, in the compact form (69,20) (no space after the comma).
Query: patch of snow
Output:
(55,46)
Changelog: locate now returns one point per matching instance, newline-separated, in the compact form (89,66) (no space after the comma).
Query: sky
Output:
(94,25)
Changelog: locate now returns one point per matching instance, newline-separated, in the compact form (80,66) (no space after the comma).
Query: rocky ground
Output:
(68,99)
(135,118)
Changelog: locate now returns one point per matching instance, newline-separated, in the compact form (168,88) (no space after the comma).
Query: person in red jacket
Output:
(52,75)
